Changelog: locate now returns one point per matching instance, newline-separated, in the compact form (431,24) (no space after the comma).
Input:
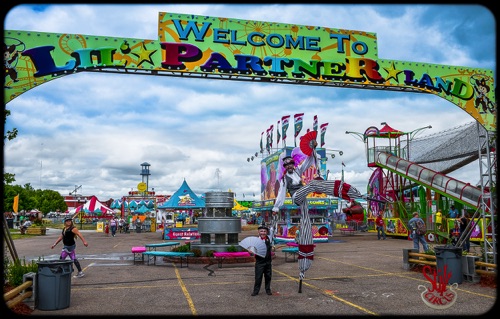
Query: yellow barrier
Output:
(14,297)
(423,259)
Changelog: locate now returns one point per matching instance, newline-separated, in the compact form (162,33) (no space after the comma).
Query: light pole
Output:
(81,211)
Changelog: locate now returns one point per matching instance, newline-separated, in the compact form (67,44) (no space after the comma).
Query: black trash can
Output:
(449,262)
(54,284)
(10,222)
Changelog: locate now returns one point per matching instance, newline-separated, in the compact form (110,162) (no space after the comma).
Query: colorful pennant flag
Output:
(315,123)
(322,132)
(298,124)
(278,134)
(267,141)
(284,127)
(15,205)
(261,146)
(271,136)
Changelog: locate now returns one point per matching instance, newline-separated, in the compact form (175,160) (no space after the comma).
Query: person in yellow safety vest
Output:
(439,220)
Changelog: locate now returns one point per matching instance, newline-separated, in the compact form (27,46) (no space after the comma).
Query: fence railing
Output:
(18,294)
(471,267)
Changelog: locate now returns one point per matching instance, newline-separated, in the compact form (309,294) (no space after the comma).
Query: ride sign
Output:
(181,233)
(141,187)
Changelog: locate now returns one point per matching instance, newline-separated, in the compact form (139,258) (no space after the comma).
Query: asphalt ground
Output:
(354,275)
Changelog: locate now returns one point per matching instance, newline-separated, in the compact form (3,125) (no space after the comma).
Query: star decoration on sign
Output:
(392,73)
(144,55)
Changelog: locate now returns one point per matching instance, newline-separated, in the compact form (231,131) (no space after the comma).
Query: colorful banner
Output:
(278,134)
(271,128)
(15,205)
(322,132)
(261,146)
(268,147)
(284,127)
(209,47)
(298,118)
(315,123)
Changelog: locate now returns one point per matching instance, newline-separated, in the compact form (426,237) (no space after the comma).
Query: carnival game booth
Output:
(288,231)
(183,202)
(289,218)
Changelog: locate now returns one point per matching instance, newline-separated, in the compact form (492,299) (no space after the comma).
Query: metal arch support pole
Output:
(487,208)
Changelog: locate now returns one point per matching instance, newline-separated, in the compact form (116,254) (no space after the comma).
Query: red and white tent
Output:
(93,205)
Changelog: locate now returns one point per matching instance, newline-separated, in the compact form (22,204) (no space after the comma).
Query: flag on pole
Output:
(284,127)
(298,124)
(267,141)
(261,146)
(15,205)
(278,134)
(323,131)
(271,128)
(315,123)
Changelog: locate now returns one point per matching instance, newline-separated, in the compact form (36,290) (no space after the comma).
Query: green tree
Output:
(29,198)
(50,201)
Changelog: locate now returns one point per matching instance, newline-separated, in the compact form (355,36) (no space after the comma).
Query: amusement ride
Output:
(409,175)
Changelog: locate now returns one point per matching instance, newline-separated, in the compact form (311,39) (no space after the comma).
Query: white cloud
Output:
(95,130)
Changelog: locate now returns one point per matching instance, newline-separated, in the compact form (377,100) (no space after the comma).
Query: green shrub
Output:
(196,252)
(183,248)
(232,249)
(210,253)
(16,270)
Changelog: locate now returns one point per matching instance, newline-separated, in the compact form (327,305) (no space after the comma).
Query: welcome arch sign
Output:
(244,50)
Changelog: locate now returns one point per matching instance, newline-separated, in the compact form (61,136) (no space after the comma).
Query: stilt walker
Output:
(291,182)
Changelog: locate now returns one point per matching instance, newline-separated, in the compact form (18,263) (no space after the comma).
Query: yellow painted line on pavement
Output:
(326,292)
(185,291)
(404,274)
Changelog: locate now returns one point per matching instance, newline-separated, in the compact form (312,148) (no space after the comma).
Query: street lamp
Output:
(360,136)
(331,152)
(413,133)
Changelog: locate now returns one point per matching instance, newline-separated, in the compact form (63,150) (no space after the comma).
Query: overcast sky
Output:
(95,129)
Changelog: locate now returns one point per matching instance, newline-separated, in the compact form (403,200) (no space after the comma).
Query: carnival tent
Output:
(183,198)
(93,205)
(141,210)
(389,132)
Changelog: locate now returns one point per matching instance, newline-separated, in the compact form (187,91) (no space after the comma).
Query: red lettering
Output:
(176,53)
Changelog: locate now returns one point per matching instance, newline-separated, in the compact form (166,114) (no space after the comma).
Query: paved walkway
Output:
(350,275)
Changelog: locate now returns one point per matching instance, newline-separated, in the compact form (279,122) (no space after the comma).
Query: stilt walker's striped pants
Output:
(335,188)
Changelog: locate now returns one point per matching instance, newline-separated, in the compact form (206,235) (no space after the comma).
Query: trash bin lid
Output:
(55,262)
(447,248)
